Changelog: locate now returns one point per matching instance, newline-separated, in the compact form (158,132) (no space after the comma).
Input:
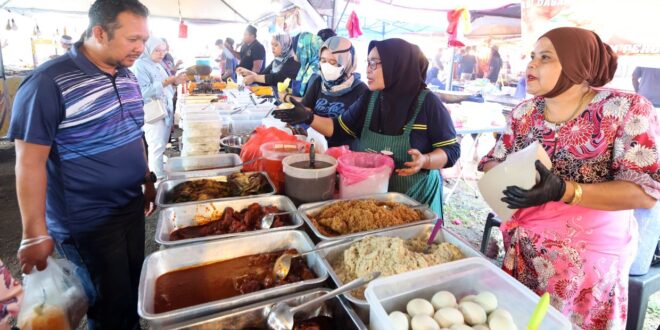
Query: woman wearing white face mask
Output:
(337,86)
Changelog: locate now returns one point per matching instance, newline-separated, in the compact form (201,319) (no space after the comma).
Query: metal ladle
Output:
(267,220)
(312,155)
(414,207)
(283,263)
(281,315)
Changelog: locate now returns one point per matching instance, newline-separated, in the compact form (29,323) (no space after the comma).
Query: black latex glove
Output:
(298,115)
(550,188)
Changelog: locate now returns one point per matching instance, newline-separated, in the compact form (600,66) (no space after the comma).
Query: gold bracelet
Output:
(577,193)
(428,161)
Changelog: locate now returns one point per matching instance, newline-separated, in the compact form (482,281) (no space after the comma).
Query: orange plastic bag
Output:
(260,136)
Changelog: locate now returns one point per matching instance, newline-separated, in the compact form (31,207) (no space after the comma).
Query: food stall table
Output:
(477,119)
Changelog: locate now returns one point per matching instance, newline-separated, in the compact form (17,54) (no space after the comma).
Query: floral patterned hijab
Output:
(307,50)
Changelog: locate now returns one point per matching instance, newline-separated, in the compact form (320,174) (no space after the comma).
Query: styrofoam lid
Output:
(517,170)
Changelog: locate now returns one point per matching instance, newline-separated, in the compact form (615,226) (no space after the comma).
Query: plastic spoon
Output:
(539,312)
(281,315)
(434,233)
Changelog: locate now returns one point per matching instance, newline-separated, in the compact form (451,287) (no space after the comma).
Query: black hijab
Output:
(404,71)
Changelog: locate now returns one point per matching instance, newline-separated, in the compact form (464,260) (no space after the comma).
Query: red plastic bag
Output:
(260,136)
(358,166)
(337,152)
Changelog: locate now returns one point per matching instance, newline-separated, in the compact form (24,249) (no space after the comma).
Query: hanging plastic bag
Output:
(54,298)
(260,136)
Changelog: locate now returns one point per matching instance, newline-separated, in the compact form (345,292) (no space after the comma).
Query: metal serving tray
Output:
(166,186)
(189,167)
(175,217)
(313,208)
(255,316)
(417,230)
(164,261)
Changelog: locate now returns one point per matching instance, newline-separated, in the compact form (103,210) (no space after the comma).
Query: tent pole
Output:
(235,12)
(334,12)
(342,15)
(450,80)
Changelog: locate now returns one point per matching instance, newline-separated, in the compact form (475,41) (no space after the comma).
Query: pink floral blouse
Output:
(613,139)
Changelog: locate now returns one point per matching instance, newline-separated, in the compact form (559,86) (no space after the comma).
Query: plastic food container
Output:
(188,139)
(463,277)
(201,147)
(274,153)
(305,185)
(186,167)
(362,173)
(239,127)
(202,126)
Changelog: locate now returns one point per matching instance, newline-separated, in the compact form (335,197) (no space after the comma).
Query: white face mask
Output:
(331,72)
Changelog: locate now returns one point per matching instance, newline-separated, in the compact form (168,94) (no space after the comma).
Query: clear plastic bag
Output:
(54,298)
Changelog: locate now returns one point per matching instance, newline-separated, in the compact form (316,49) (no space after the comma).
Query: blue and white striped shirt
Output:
(92,121)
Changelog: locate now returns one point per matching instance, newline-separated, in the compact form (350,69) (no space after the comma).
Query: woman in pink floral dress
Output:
(11,294)
(574,234)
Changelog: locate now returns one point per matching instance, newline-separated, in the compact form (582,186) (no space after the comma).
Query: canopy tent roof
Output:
(379,18)
(382,17)
(211,11)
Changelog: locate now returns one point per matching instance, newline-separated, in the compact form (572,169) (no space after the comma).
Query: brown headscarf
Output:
(583,57)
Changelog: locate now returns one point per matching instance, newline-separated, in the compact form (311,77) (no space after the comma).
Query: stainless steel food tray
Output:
(165,187)
(313,208)
(175,217)
(164,261)
(188,167)
(418,230)
(255,316)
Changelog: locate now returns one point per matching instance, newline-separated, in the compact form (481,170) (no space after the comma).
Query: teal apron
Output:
(424,186)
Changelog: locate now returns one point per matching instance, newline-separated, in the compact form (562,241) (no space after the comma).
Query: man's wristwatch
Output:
(150,178)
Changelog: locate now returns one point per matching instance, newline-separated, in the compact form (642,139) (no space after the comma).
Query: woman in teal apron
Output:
(398,115)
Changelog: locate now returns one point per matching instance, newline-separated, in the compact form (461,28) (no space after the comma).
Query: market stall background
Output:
(421,22)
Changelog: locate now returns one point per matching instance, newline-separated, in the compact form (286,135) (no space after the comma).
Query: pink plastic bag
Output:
(358,166)
(337,152)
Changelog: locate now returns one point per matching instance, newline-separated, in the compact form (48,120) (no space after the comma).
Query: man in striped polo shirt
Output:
(81,164)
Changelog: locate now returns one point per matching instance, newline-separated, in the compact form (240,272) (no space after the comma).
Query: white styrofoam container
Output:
(462,277)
